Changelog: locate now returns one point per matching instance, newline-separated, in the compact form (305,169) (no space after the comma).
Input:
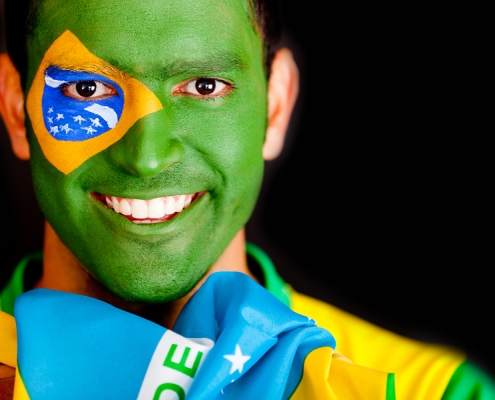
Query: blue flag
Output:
(232,340)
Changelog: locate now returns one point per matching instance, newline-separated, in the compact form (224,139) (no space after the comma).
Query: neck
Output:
(62,271)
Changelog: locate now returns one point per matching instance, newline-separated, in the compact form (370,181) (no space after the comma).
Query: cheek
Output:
(229,131)
(63,198)
(53,189)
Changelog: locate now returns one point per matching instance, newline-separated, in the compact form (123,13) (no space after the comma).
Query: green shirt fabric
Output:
(15,286)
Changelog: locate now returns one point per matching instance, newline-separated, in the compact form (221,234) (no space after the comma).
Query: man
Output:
(147,125)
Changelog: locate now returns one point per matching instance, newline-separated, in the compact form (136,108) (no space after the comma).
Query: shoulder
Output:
(422,370)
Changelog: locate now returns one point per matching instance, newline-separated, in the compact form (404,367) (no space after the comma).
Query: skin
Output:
(192,145)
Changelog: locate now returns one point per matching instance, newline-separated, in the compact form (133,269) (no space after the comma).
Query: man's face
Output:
(141,107)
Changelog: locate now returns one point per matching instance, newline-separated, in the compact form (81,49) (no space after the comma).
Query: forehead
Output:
(139,35)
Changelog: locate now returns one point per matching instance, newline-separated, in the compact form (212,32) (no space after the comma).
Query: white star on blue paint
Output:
(54,129)
(50,110)
(89,129)
(238,360)
(50,120)
(96,122)
(59,116)
(79,119)
(66,128)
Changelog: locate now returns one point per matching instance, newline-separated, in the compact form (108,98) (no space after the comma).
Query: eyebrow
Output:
(211,65)
(100,68)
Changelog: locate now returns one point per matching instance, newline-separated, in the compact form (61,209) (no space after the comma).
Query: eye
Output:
(203,88)
(89,90)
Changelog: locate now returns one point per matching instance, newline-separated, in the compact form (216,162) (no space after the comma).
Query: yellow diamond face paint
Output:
(71,129)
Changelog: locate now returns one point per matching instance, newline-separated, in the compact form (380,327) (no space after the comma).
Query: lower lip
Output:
(149,220)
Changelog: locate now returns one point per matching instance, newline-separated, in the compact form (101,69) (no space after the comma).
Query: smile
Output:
(150,211)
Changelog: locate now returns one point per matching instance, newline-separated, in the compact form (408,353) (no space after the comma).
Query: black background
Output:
(378,203)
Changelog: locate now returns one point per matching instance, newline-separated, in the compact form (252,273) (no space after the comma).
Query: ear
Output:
(283,88)
(12,106)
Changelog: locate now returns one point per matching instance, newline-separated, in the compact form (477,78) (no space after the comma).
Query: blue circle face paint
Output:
(77,119)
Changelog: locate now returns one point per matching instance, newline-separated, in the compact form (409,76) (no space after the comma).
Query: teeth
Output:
(179,203)
(115,204)
(170,205)
(156,208)
(125,207)
(139,209)
(149,211)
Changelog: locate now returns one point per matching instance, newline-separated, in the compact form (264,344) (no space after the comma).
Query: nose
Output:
(148,147)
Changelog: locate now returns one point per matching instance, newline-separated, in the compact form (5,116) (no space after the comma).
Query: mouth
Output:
(151,211)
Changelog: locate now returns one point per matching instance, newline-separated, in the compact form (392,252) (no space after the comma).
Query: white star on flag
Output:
(238,360)
(50,120)
(89,129)
(66,128)
(59,116)
(96,122)
(50,110)
(79,119)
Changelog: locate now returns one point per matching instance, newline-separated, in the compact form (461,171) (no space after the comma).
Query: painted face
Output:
(146,122)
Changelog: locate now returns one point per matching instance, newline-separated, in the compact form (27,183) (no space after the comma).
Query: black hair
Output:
(269,23)
(19,16)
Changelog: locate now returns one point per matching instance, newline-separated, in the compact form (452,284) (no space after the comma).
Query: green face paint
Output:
(203,61)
